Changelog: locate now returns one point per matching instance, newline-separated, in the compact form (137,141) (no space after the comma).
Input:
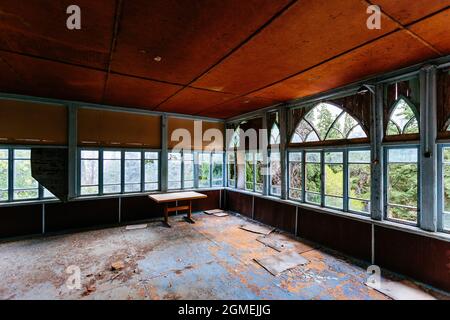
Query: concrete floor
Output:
(212,259)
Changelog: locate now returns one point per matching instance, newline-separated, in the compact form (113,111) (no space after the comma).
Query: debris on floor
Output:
(221,214)
(273,243)
(117,265)
(400,290)
(282,261)
(256,228)
(213,211)
(90,287)
(136,226)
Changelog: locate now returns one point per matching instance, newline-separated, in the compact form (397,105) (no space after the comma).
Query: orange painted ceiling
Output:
(216,58)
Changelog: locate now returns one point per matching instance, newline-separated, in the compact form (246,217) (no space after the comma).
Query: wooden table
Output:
(167,198)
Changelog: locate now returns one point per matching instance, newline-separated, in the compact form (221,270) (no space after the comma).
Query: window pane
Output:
(249,171)
(334,179)
(313,177)
(4,174)
(402,184)
(204,170)
(151,171)
(48,194)
(217,169)
(174,165)
(446,188)
(188,170)
(275,174)
(89,190)
(295,175)
(359,180)
(89,154)
(132,171)
(259,173)
(25,186)
(231,173)
(112,171)
(133,187)
(89,166)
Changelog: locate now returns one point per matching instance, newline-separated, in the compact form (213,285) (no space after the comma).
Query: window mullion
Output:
(322,180)
(100,172)
(345,200)
(122,171)
(10,174)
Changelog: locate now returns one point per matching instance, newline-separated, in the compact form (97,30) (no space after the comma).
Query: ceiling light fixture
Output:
(157,58)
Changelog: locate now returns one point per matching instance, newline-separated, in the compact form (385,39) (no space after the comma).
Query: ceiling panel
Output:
(129,91)
(10,81)
(408,11)
(395,51)
(188,36)
(38,27)
(56,80)
(307,34)
(237,106)
(435,30)
(192,101)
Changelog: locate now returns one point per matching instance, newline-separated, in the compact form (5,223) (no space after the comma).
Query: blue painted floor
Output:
(211,259)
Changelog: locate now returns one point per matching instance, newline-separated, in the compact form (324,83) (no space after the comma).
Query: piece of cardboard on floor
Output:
(281,262)
(256,228)
(213,211)
(221,214)
(136,226)
(275,244)
(400,290)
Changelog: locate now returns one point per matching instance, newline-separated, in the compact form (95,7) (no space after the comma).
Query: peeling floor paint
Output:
(212,259)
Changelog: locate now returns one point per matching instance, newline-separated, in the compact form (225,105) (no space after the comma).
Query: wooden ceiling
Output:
(217,58)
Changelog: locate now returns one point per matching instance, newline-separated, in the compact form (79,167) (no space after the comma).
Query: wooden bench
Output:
(167,198)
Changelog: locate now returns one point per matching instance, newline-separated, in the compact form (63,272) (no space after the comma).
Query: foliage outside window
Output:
(253,171)
(15,173)
(359,181)
(231,169)
(249,171)
(25,186)
(313,176)
(402,119)
(121,171)
(445,217)
(259,172)
(204,171)
(295,176)
(326,121)
(217,170)
(275,174)
(402,184)
(334,180)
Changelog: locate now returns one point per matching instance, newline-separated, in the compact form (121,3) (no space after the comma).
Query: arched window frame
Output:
(416,117)
(342,113)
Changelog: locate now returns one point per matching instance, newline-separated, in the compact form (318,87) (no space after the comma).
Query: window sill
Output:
(108,196)
(353,216)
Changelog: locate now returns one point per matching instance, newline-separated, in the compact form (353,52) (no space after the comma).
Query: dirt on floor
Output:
(211,259)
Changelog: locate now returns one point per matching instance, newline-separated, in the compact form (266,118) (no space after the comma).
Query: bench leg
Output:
(188,218)
(166,216)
